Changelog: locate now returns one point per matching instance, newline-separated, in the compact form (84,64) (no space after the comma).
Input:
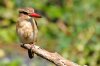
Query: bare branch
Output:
(52,57)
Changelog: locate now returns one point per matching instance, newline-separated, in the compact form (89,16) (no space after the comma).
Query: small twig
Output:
(52,57)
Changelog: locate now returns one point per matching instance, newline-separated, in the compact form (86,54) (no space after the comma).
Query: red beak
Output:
(35,15)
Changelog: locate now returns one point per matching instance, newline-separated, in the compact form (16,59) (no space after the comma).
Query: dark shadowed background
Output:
(69,27)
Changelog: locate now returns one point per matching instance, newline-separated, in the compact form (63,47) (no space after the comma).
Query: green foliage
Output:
(10,63)
(79,40)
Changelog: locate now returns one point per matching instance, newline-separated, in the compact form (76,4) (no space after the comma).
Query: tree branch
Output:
(52,57)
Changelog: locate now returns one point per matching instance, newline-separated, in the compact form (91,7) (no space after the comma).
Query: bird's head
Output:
(29,12)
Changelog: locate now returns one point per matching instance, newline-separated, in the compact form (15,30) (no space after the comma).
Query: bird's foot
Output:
(22,45)
(32,45)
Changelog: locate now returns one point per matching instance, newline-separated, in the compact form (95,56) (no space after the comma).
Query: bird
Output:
(26,27)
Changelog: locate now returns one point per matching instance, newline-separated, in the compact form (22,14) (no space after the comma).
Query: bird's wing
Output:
(35,29)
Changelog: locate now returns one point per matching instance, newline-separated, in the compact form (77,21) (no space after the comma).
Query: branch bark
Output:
(52,57)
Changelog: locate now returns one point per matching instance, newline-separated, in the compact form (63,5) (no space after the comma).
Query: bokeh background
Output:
(69,27)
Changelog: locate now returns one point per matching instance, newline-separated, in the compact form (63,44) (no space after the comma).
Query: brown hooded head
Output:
(29,11)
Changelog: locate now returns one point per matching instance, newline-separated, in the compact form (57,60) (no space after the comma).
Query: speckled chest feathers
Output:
(27,30)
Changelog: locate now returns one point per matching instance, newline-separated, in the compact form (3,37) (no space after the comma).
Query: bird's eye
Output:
(24,12)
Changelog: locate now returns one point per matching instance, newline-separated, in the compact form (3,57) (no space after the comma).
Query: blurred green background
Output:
(69,27)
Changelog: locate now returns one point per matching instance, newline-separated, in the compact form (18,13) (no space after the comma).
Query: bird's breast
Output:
(25,32)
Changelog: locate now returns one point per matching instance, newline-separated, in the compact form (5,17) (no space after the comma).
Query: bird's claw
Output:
(22,45)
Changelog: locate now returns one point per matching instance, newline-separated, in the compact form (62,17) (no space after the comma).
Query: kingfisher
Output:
(26,28)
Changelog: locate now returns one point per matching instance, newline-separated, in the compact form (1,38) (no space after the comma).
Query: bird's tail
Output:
(30,53)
